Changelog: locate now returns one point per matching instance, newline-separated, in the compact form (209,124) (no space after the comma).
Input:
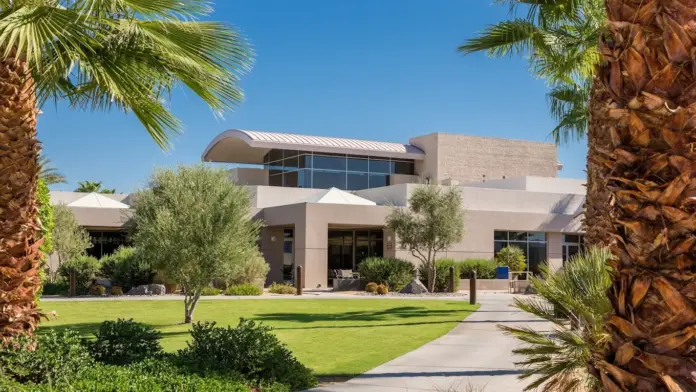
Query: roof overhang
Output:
(240,146)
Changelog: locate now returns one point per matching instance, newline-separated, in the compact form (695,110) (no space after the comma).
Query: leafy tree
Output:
(49,174)
(92,186)
(557,360)
(45,216)
(84,267)
(70,240)
(512,257)
(432,222)
(194,225)
(96,55)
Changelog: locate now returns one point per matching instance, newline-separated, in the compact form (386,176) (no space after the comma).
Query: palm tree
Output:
(92,186)
(48,172)
(123,54)
(574,301)
(560,40)
(648,114)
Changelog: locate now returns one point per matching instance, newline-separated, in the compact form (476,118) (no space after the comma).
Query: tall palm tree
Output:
(648,113)
(92,186)
(559,38)
(123,54)
(48,172)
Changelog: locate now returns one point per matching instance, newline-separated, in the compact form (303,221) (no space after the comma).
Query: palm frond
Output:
(48,173)
(506,38)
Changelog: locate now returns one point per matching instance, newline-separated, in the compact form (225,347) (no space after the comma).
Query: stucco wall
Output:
(271,245)
(249,176)
(474,158)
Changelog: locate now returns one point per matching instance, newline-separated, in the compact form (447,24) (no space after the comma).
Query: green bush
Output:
(512,257)
(485,269)
(282,288)
(249,349)
(122,342)
(85,268)
(97,290)
(116,291)
(395,273)
(210,291)
(371,287)
(252,270)
(57,357)
(442,275)
(127,268)
(58,288)
(244,289)
(382,290)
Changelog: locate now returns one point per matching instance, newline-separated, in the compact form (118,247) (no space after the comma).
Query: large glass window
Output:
(572,245)
(533,245)
(291,168)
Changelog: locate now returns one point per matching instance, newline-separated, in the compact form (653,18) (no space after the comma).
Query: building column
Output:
(554,251)
(311,247)
(272,249)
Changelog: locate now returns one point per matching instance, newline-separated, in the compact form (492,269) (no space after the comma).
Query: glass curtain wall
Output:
(348,248)
(106,242)
(572,245)
(305,169)
(533,244)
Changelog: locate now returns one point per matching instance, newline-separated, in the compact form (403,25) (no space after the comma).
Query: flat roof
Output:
(241,146)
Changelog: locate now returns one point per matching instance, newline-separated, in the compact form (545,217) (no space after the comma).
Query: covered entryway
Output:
(346,249)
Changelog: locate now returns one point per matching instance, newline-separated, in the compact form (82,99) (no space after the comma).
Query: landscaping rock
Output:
(156,289)
(140,290)
(415,287)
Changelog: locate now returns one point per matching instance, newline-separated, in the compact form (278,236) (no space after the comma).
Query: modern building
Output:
(324,200)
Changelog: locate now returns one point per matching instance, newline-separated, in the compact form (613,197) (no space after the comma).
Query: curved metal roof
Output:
(241,146)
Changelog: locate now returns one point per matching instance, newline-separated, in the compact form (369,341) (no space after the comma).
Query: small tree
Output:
(194,225)
(43,197)
(433,221)
(69,239)
(512,257)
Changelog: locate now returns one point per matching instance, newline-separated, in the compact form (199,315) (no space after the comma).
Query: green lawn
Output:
(334,337)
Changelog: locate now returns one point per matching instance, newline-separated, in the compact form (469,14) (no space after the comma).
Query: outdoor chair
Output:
(347,274)
(514,279)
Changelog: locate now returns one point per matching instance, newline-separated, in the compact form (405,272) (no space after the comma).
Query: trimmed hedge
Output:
(442,275)
(394,273)
(282,288)
(485,269)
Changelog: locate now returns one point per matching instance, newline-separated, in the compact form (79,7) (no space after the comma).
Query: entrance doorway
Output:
(348,248)
(289,256)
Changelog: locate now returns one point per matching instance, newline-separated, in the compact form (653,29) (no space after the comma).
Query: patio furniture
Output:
(347,274)
(515,281)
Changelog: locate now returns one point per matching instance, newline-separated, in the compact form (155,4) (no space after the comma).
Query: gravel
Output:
(415,295)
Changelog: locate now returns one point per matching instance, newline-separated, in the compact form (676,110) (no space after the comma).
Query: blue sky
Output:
(381,70)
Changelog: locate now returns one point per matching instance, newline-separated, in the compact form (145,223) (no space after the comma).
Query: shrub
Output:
(395,273)
(57,357)
(371,287)
(58,288)
(171,288)
(512,257)
(85,268)
(249,349)
(382,290)
(116,291)
(485,269)
(126,267)
(442,275)
(244,289)
(210,291)
(252,270)
(282,288)
(97,290)
(122,342)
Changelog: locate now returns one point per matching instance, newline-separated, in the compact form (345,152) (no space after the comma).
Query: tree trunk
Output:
(190,303)
(432,272)
(650,117)
(596,220)
(20,258)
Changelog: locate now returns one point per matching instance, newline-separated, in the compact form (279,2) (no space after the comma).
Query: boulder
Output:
(415,287)
(140,290)
(156,289)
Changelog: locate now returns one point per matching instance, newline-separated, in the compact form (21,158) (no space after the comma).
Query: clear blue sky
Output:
(371,69)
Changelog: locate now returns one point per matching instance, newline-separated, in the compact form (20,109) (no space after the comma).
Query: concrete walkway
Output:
(475,352)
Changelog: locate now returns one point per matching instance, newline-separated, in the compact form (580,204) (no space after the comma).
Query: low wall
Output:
(349,285)
(495,284)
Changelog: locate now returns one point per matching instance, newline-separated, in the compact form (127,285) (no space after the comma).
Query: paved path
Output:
(475,352)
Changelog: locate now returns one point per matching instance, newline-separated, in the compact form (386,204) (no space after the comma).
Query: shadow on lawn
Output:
(404,312)
(84,329)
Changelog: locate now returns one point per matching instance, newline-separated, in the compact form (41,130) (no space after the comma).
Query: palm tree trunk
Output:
(597,222)
(20,258)
(650,118)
